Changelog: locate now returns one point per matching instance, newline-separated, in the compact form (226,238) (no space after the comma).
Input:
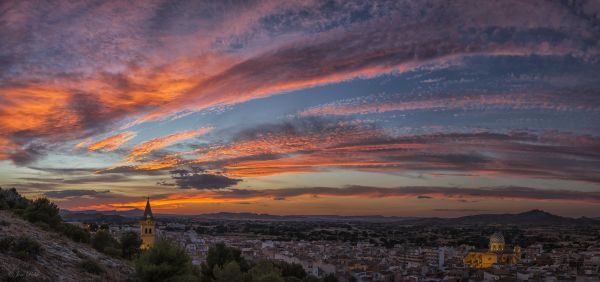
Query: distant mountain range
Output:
(135,213)
(533,217)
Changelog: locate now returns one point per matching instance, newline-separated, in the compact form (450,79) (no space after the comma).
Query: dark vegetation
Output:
(45,215)
(91,266)
(168,262)
(42,213)
(165,262)
(24,248)
(226,264)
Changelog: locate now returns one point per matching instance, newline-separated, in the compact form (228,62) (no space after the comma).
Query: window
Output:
(150,231)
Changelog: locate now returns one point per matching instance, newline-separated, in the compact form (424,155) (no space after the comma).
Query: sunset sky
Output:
(407,108)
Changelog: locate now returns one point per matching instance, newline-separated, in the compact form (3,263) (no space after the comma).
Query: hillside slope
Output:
(59,260)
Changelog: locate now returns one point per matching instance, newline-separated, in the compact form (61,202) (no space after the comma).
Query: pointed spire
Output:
(148,210)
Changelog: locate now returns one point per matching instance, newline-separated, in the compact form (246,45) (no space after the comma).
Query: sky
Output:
(404,108)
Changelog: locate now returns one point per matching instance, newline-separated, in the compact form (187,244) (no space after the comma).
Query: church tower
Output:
(147,227)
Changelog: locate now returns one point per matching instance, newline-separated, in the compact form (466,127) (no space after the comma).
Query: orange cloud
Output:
(161,163)
(147,147)
(113,142)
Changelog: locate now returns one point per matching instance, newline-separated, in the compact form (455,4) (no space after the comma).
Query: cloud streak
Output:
(525,101)
(147,147)
(112,143)
(60,194)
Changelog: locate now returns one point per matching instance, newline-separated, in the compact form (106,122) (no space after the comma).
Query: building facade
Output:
(147,228)
(496,254)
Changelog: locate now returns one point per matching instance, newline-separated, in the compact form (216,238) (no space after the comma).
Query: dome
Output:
(497,238)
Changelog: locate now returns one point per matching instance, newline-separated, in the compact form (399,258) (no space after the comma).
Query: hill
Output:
(532,217)
(98,217)
(59,260)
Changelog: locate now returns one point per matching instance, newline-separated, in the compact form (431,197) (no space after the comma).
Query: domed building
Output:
(495,254)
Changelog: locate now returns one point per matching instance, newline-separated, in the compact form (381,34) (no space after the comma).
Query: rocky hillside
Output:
(60,259)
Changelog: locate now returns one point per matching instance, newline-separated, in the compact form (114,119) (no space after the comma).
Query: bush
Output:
(265,271)
(290,269)
(6,243)
(26,248)
(130,244)
(165,262)
(219,255)
(91,266)
(74,232)
(103,241)
(230,272)
(112,251)
(42,225)
(330,278)
(42,210)
(10,199)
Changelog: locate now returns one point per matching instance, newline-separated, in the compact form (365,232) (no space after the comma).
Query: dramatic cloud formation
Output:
(77,91)
(267,93)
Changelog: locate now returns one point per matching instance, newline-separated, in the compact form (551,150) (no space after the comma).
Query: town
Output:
(409,250)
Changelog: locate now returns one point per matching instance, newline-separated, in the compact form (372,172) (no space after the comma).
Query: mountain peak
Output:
(537,212)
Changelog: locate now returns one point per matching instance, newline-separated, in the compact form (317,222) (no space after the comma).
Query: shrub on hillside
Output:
(130,244)
(11,199)
(42,210)
(165,262)
(91,266)
(74,232)
(20,247)
(6,243)
(26,248)
(104,242)
(44,214)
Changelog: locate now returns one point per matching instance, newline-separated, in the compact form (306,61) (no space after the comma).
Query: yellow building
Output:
(496,254)
(147,228)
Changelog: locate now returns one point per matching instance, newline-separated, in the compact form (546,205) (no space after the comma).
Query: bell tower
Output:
(147,227)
